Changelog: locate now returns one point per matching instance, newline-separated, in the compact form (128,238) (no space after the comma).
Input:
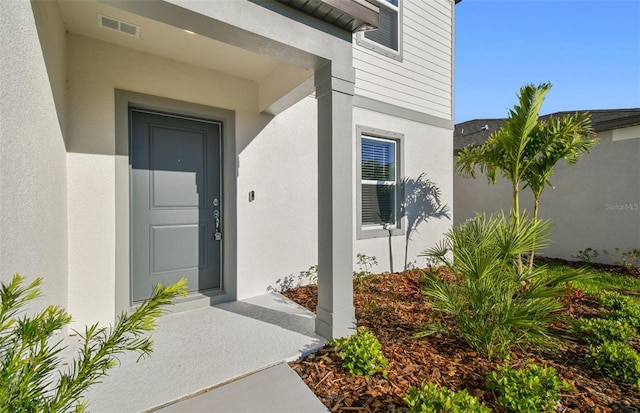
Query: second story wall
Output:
(421,77)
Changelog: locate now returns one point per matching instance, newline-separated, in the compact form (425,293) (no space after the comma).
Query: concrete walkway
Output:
(201,349)
(277,389)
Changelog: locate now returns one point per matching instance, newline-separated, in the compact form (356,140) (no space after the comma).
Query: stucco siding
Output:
(595,203)
(96,69)
(422,81)
(278,231)
(425,152)
(53,40)
(33,189)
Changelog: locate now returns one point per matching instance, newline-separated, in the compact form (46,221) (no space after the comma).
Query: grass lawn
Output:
(602,280)
(394,311)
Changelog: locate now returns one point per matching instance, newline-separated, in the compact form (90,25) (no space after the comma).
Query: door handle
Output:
(217,235)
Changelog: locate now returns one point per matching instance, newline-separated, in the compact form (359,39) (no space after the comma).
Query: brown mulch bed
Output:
(390,307)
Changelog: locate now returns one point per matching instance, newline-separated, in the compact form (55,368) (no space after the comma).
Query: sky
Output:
(588,49)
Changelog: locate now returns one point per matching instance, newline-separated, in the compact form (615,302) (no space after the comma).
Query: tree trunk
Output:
(536,204)
(515,211)
(515,218)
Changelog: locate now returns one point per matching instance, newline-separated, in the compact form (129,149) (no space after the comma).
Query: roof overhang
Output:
(350,15)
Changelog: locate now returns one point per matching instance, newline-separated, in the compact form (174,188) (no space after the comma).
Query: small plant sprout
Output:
(586,255)
(311,274)
(629,259)
(365,265)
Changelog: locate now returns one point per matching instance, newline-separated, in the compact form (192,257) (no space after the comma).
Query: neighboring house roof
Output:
(476,132)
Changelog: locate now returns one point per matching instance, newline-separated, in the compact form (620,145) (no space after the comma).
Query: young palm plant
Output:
(508,149)
(495,305)
(525,150)
(565,137)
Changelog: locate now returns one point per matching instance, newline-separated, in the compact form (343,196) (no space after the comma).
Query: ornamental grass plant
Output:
(496,301)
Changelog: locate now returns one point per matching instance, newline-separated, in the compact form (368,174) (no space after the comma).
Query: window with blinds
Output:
(387,32)
(378,181)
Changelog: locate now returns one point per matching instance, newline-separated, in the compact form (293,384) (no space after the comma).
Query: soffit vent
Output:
(118,25)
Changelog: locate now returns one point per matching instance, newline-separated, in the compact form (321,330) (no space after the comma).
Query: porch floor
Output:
(200,349)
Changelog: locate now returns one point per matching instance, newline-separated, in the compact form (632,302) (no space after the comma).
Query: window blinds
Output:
(378,164)
(387,32)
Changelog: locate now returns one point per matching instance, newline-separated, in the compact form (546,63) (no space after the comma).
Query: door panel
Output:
(175,178)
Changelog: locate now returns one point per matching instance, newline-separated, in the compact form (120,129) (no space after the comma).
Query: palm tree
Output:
(560,138)
(509,148)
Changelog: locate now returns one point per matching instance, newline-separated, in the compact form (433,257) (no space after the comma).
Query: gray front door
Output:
(175,202)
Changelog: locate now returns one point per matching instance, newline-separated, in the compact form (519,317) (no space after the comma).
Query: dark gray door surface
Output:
(175,202)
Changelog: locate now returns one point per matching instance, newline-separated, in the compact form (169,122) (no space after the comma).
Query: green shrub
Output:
(599,330)
(530,389)
(618,360)
(361,353)
(497,303)
(622,308)
(31,374)
(629,314)
(434,399)
(612,300)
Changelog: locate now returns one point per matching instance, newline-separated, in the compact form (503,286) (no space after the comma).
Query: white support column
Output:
(334,93)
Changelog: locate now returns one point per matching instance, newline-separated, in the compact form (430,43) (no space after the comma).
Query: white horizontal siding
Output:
(423,80)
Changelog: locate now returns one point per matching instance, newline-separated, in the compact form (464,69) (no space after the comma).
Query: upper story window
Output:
(387,39)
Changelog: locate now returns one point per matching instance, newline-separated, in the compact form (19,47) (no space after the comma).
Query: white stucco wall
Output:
(33,203)
(278,231)
(276,156)
(426,150)
(96,69)
(595,203)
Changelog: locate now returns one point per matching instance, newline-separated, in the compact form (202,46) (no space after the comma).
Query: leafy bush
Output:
(30,366)
(630,314)
(618,360)
(621,307)
(496,302)
(612,300)
(531,389)
(434,399)
(361,353)
(600,329)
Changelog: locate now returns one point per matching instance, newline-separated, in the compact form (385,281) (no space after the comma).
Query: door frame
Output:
(123,101)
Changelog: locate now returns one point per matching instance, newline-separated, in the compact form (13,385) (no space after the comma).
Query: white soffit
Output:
(164,40)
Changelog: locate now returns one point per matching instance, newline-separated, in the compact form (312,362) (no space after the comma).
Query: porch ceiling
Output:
(160,39)
(280,84)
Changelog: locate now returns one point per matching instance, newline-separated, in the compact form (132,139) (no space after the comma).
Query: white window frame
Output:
(384,230)
(371,44)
